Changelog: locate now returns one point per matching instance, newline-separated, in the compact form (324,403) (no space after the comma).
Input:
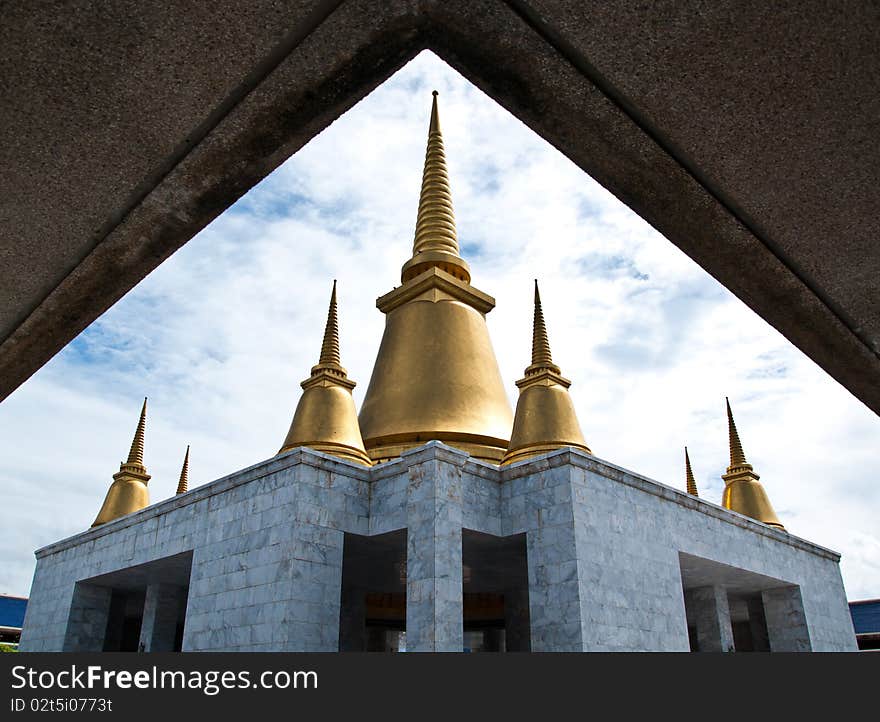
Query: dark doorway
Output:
(372,610)
(138,609)
(495,583)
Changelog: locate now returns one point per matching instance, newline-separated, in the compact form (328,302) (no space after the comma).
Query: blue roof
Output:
(12,611)
(866,616)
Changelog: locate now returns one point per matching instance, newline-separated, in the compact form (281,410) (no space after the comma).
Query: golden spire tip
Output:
(330,344)
(737,455)
(136,453)
(183,484)
(540,342)
(435,243)
(689,474)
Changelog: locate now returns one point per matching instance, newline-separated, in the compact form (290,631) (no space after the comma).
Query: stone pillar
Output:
(310,617)
(434,597)
(786,622)
(163,606)
(711,615)
(554,589)
(516,620)
(758,625)
(87,622)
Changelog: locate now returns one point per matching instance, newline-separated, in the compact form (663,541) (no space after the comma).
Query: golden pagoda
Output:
(325,417)
(436,375)
(128,492)
(689,475)
(183,483)
(743,492)
(545,418)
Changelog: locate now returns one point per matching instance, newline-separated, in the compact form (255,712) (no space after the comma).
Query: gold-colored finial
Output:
(435,243)
(545,418)
(541,358)
(183,484)
(689,474)
(330,344)
(136,453)
(128,493)
(737,455)
(325,417)
(743,492)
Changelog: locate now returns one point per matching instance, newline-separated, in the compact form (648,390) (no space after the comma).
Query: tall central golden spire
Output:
(435,242)
(325,418)
(742,490)
(545,418)
(436,376)
(128,492)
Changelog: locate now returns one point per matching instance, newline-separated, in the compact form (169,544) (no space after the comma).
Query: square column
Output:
(554,589)
(542,505)
(434,598)
(163,609)
(711,614)
(786,622)
(87,622)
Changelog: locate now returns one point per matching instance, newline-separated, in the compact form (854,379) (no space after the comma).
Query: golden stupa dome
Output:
(545,417)
(436,375)
(128,493)
(743,492)
(325,418)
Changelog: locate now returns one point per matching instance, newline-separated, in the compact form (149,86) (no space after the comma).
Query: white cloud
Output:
(221,334)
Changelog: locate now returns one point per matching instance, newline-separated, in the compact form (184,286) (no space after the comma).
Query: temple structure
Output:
(436,519)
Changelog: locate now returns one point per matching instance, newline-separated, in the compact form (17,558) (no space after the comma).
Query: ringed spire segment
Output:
(183,483)
(435,243)
(689,474)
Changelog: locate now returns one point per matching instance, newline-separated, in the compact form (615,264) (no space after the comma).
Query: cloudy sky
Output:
(221,334)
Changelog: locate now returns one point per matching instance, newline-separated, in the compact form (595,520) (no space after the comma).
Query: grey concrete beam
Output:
(744,135)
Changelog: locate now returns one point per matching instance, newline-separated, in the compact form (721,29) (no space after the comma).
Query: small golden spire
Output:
(545,418)
(743,492)
(330,344)
(182,485)
(325,418)
(737,456)
(689,474)
(136,453)
(435,242)
(541,357)
(128,493)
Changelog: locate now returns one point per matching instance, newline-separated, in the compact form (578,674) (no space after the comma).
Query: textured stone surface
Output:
(786,622)
(744,133)
(711,618)
(159,625)
(433,561)
(602,544)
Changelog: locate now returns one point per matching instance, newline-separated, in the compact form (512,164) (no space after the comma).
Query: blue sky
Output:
(221,334)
